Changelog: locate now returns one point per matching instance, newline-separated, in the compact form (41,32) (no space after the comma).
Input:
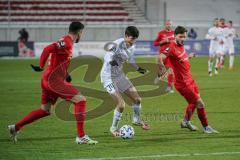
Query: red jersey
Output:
(179,63)
(59,54)
(164,34)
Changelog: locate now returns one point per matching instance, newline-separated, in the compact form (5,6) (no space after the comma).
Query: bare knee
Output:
(120,105)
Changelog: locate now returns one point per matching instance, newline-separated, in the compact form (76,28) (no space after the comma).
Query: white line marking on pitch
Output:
(165,155)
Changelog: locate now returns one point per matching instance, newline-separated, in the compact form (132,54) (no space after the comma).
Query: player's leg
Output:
(161,68)
(133,94)
(117,114)
(217,63)
(190,93)
(110,85)
(231,57)
(203,117)
(210,60)
(80,114)
(43,111)
(186,123)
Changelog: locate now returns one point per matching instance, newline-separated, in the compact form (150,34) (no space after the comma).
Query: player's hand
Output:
(36,68)
(192,55)
(69,78)
(167,40)
(141,70)
(113,63)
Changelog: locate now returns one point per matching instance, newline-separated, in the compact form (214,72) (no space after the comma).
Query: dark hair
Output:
(215,19)
(132,31)
(76,26)
(180,30)
(230,22)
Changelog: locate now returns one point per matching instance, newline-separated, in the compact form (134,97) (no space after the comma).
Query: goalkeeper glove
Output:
(68,78)
(36,68)
(141,70)
(113,63)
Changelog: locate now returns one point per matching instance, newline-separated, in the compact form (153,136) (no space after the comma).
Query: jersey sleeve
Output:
(157,41)
(108,57)
(131,58)
(63,45)
(46,52)
(167,51)
(210,35)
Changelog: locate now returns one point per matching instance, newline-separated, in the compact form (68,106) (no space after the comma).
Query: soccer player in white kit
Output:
(222,34)
(230,45)
(115,81)
(213,46)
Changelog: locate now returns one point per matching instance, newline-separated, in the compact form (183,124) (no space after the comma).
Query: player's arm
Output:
(44,56)
(132,62)
(210,35)
(159,41)
(108,58)
(161,67)
(136,67)
(192,55)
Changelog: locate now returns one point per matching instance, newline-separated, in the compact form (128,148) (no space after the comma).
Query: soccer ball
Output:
(126,132)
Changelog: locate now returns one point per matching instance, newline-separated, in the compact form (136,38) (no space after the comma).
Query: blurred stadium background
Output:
(47,21)
(51,138)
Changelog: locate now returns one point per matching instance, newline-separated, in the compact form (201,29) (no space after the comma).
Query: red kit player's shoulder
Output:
(162,32)
(64,42)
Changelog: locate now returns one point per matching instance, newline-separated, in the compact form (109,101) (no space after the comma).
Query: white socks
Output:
(217,62)
(136,112)
(210,65)
(117,115)
(231,61)
(116,118)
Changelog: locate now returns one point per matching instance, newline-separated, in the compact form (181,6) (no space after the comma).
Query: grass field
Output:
(52,138)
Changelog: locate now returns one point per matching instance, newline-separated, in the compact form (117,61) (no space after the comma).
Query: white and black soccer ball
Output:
(127,132)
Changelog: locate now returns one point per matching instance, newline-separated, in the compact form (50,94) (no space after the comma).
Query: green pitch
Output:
(53,138)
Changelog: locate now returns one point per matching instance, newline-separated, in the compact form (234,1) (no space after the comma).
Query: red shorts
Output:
(50,93)
(190,92)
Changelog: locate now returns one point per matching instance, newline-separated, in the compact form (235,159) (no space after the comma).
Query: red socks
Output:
(189,112)
(202,116)
(80,114)
(31,117)
(170,79)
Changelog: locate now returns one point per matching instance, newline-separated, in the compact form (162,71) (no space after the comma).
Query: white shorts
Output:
(212,51)
(117,84)
(221,49)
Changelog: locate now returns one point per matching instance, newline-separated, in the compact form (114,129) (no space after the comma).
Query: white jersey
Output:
(231,35)
(222,34)
(121,54)
(212,32)
(212,36)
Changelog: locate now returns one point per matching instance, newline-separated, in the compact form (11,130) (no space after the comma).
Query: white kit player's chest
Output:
(121,55)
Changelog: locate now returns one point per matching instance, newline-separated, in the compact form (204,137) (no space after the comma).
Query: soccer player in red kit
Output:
(184,82)
(163,40)
(55,83)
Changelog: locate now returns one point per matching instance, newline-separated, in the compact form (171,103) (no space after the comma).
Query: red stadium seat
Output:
(52,11)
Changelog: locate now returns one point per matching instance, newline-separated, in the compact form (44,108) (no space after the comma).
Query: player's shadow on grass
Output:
(47,138)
